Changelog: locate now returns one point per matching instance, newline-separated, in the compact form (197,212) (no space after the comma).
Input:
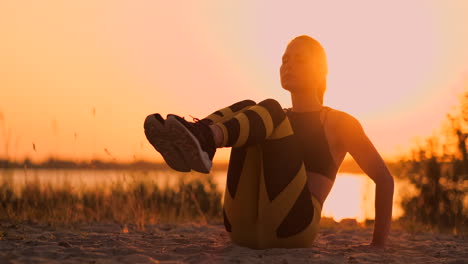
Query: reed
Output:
(139,202)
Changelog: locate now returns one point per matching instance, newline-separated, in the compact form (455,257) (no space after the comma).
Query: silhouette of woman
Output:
(283,162)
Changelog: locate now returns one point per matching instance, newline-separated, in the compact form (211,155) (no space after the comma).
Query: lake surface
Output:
(352,195)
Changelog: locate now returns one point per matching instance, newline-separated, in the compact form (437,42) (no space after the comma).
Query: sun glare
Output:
(345,199)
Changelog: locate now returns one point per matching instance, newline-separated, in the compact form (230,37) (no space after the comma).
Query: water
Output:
(352,195)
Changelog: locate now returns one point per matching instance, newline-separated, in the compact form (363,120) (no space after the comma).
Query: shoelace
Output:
(194,119)
(198,122)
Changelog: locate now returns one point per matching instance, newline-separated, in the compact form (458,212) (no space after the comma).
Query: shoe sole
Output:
(160,138)
(189,145)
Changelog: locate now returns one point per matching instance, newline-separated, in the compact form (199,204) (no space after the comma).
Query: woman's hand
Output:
(368,248)
(377,245)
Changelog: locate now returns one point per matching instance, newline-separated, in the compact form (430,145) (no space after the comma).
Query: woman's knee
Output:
(275,109)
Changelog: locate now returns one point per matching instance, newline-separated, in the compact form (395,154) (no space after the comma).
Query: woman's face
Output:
(297,68)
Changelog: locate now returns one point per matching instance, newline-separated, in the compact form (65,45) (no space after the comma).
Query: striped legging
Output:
(267,202)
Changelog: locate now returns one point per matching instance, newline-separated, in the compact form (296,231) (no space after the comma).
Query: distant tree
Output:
(439,171)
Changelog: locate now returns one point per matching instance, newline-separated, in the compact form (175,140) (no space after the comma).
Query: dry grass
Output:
(139,202)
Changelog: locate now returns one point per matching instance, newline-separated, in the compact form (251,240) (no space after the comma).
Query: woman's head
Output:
(304,68)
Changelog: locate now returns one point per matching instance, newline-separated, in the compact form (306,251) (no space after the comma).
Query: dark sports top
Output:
(311,136)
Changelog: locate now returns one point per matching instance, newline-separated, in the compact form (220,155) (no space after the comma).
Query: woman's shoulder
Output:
(341,119)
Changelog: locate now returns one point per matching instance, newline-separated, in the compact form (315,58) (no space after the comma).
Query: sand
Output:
(209,243)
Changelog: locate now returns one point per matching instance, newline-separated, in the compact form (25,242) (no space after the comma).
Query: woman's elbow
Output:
(386,181)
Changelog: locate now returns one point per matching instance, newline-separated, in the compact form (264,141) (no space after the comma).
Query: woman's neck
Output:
(305,102)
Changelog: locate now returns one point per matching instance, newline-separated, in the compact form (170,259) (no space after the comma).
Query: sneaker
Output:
(195,140)
(160,138)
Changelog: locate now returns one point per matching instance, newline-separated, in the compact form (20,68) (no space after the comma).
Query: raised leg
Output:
(185,145)
(228,112)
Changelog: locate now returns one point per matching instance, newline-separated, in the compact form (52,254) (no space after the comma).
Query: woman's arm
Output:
(363,151)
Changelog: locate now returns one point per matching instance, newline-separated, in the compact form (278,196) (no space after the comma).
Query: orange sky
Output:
(396,65)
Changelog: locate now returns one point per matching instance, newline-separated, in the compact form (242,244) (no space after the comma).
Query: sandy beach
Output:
(209,243)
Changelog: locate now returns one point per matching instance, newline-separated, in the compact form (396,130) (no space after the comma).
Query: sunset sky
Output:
(79,77)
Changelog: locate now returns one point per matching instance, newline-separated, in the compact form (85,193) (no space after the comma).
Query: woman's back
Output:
(320,145)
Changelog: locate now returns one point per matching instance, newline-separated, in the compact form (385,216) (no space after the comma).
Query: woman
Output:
(283,161)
